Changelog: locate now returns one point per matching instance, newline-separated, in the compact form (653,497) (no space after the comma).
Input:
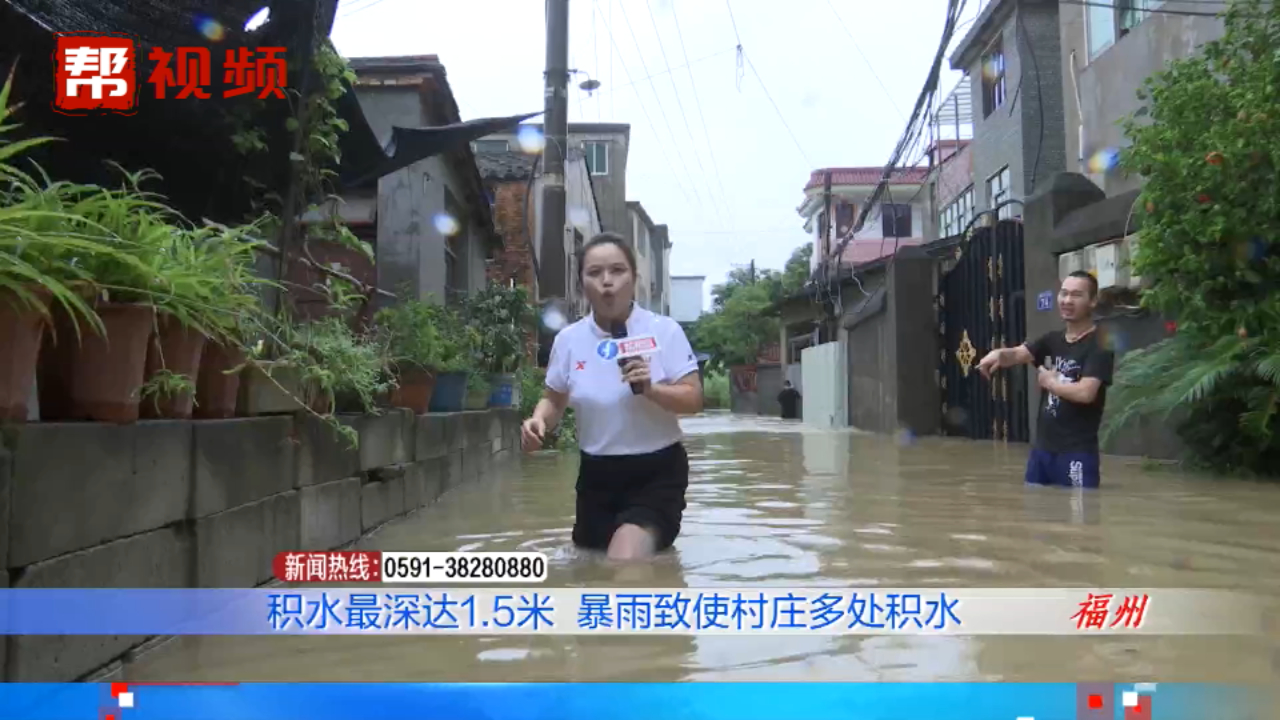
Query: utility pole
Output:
(553,262)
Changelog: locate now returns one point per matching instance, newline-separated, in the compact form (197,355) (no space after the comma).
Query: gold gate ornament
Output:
(966,353)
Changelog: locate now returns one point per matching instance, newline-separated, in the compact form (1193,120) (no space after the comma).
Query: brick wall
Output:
(509,218)
(955,175)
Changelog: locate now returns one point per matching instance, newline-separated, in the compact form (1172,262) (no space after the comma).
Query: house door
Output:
(980,307)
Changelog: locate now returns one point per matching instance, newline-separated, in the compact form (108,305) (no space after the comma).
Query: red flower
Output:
(1203,199)
(1213,158)
(1171,327)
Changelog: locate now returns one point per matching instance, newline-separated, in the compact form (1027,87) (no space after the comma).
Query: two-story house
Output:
(1107,51)
(430,222)
(602,149)
(652,245)
(834,197)
(1012,59)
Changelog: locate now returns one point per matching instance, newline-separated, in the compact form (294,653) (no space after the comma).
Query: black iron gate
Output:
(981,307)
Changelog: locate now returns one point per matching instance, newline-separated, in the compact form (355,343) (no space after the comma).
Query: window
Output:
(895,220)
(992,80)
(998,191)
(597,157)
(1100,26)
(844,219)
(957,215)
(490,146)
(1133,12)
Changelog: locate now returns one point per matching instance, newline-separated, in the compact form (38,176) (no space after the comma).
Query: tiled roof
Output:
(504,166)
(867,176)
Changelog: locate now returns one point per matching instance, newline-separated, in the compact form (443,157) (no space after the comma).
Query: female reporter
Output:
(634,470)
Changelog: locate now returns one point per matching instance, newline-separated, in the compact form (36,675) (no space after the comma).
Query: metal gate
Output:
(980,307)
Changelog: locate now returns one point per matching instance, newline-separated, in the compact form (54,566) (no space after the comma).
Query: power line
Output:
(680,104)
(863,55)
(361,8)
(715,166)
(662,147)
(752,66)
(662,110)
(660,73)
(734,22)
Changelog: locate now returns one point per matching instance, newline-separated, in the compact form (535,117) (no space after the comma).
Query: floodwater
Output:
(775,503)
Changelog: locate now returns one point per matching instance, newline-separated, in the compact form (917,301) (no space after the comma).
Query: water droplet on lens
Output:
(530,139)
(1104,160)
(446,224)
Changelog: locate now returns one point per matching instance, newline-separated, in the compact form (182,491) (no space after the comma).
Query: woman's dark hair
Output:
(606,238)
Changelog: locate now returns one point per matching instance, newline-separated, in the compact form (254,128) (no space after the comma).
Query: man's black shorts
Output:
(646,490)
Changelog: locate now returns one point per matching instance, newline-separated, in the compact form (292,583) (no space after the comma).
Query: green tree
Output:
(1207,143)
(745,315)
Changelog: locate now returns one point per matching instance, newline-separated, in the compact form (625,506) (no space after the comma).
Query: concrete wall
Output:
(686,298)
(892,349)
(1028,125)
(823,401)
(1108,83)
(411,247)
(171,504)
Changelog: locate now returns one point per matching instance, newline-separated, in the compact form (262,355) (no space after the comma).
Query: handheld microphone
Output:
(619,331)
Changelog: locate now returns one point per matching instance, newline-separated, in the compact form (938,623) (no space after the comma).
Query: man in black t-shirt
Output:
(1074,372)
(789,399)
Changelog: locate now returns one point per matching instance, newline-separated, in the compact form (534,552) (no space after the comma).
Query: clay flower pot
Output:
(22,327)
(216,388)
(176,348)
(102,374)
(414,391)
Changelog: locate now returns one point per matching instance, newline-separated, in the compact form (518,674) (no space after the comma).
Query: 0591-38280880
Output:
(469,567)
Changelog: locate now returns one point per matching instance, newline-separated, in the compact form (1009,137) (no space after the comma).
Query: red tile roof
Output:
(867,176)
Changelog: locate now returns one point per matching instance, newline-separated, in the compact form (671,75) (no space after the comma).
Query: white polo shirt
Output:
(612,420)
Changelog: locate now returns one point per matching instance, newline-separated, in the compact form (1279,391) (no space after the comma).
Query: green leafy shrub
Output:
(1207,142)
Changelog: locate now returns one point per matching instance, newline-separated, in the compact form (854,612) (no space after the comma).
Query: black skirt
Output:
(646,490)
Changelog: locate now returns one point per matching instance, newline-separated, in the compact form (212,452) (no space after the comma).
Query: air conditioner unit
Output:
(1089,260)
(1068,263)
(1129,249)
(1105,265)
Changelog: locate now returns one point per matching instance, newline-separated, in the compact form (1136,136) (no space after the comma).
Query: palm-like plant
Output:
(1231,386)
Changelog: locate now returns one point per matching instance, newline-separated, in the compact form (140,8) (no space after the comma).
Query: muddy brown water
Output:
(776,503)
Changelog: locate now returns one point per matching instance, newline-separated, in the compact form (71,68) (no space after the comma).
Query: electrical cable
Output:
(680,105)
(715,166)
(644,108)
(1157,11)
(863,55)
(662,110)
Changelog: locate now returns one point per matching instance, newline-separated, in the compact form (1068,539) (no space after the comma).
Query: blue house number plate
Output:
(1044,301)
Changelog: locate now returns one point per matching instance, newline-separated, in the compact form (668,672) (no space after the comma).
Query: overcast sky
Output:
(729,200)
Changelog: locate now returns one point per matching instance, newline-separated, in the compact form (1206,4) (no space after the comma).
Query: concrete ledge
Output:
(77,485)
(432,480)
(235,548)
(161,558)
(323,454)
(430,437)
(380,501)
(330,514)
(240,461)
(455,432)
(413,486)
(451,470)
(385,439)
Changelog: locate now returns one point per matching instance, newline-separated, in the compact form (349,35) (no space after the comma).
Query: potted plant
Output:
(100,377)
(37,273)
(506,315)
(456,362)
(419,346)
(210,295)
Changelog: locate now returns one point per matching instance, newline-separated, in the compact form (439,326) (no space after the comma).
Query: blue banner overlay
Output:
(683,701)
(595,611)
